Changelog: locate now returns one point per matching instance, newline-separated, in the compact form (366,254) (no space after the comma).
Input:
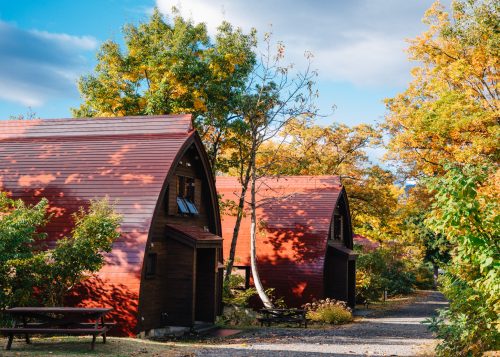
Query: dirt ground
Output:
(394,331)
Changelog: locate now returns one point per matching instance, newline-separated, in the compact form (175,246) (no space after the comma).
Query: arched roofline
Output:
(196,140)
(342,198)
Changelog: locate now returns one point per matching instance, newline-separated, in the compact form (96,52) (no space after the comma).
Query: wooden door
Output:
(205,291)
(336,276)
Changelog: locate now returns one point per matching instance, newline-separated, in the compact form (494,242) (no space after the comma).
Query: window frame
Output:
(186,191)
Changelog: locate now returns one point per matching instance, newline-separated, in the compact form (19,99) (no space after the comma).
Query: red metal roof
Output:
(71,161)
(197,234)
(367,244)
(294,214)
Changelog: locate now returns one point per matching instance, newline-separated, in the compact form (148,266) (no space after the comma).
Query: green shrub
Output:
(328,311)
(467,327)
(399,280)
(19,231)
(234,293)
(382,270)
(236,298)
(29,275)
(424,277)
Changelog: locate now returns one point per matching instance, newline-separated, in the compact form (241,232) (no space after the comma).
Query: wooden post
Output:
(9,341)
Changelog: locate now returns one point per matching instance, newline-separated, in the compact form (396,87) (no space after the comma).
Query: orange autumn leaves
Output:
(450,111)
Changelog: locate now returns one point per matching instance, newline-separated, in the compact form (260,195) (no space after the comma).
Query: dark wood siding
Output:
(179,285)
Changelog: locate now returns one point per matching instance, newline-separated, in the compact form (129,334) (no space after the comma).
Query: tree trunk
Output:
(436,275)
(253,235)
(236,229)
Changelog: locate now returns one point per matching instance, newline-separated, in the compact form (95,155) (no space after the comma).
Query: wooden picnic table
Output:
(57,321)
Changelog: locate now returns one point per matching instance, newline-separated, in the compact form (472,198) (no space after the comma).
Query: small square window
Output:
(151,265)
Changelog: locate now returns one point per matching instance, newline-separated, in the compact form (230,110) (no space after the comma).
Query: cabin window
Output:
(185,195)
(151,265)
(244,272)
(337,227)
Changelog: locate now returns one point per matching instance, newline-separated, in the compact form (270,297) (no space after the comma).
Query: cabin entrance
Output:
(205,286)
(340,274)
(192,287)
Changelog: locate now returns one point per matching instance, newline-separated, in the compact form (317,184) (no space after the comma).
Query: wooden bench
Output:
(26,331)
(270,316)
(57,321)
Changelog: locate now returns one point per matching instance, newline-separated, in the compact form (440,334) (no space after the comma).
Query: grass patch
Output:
(80,346)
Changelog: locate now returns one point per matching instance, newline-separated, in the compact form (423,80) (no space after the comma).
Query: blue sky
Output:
(358,46)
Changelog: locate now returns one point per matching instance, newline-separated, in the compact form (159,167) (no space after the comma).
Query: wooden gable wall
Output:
(176,261)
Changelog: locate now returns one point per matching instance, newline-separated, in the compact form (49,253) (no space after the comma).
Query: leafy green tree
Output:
(445,126)
(310,149)
(436,247)
(76,257)
(170,68)
(30,274)
(383,269)
(19,233)
(466,212)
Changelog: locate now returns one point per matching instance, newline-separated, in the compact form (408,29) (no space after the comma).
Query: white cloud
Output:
(358,41)
(81,42)
(371,60)
(38,65)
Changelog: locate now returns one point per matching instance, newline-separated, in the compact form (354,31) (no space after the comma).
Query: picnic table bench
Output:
(282,316)
(57,321)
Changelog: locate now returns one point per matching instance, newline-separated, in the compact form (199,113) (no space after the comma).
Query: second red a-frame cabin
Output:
(304,239)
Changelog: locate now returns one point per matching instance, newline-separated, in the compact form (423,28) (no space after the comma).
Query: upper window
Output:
(337,227)
(185,195)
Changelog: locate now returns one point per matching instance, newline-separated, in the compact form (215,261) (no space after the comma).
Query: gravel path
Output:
(397,332)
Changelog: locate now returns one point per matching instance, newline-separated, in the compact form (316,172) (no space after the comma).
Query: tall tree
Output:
(276,95)
(311,149)
(450,111)
(445,128)
(172,67)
